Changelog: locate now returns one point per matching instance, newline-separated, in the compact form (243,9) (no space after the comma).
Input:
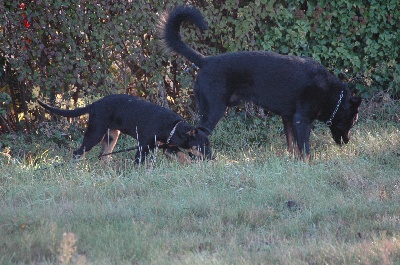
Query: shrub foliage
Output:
(81,50)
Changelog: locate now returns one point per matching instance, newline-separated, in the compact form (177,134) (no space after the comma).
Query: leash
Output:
(120,151)
(136,147)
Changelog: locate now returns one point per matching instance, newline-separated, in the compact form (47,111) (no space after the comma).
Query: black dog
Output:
(150,124)
(298,89)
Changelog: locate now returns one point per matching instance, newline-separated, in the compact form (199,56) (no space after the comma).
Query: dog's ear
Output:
(192,132)
(355,102)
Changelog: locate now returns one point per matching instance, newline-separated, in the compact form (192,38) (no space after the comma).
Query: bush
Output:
(82,51)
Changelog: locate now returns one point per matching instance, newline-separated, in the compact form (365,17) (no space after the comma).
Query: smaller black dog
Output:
(151,125)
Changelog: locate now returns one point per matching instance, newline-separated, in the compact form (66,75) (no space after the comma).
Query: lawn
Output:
(253,204)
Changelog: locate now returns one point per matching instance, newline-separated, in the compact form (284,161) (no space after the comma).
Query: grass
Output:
(253,205)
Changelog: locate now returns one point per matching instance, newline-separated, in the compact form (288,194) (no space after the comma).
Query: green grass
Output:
(252,205)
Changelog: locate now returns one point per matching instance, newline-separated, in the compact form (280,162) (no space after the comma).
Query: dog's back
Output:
(270,80)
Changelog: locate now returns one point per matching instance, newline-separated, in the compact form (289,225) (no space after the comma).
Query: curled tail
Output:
(66,113)
(169,26)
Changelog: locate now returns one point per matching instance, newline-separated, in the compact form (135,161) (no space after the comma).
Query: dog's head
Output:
(345,119)
(193,140)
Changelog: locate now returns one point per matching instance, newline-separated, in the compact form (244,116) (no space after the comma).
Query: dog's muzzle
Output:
(203,153)
(341,138)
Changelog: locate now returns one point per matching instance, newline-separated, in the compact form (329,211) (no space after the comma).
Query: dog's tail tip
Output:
(187,13)
(171,20)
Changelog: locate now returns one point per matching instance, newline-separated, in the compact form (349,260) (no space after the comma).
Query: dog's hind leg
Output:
(302,130)
(288,129)
(93,135)
(108,143)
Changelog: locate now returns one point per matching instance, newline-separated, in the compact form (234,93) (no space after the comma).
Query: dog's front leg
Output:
(108,143)
(302,130)
(175,153)
(142,153)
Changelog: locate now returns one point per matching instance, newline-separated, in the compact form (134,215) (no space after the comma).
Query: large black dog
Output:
(150,124)
(298,89)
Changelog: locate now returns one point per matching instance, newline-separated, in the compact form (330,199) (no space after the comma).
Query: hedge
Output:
(74,52)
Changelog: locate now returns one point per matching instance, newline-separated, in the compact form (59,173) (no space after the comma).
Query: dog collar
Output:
(172,132)
(329,122)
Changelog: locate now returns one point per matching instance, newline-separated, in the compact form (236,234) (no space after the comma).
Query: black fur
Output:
(142,120)
(299,89)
